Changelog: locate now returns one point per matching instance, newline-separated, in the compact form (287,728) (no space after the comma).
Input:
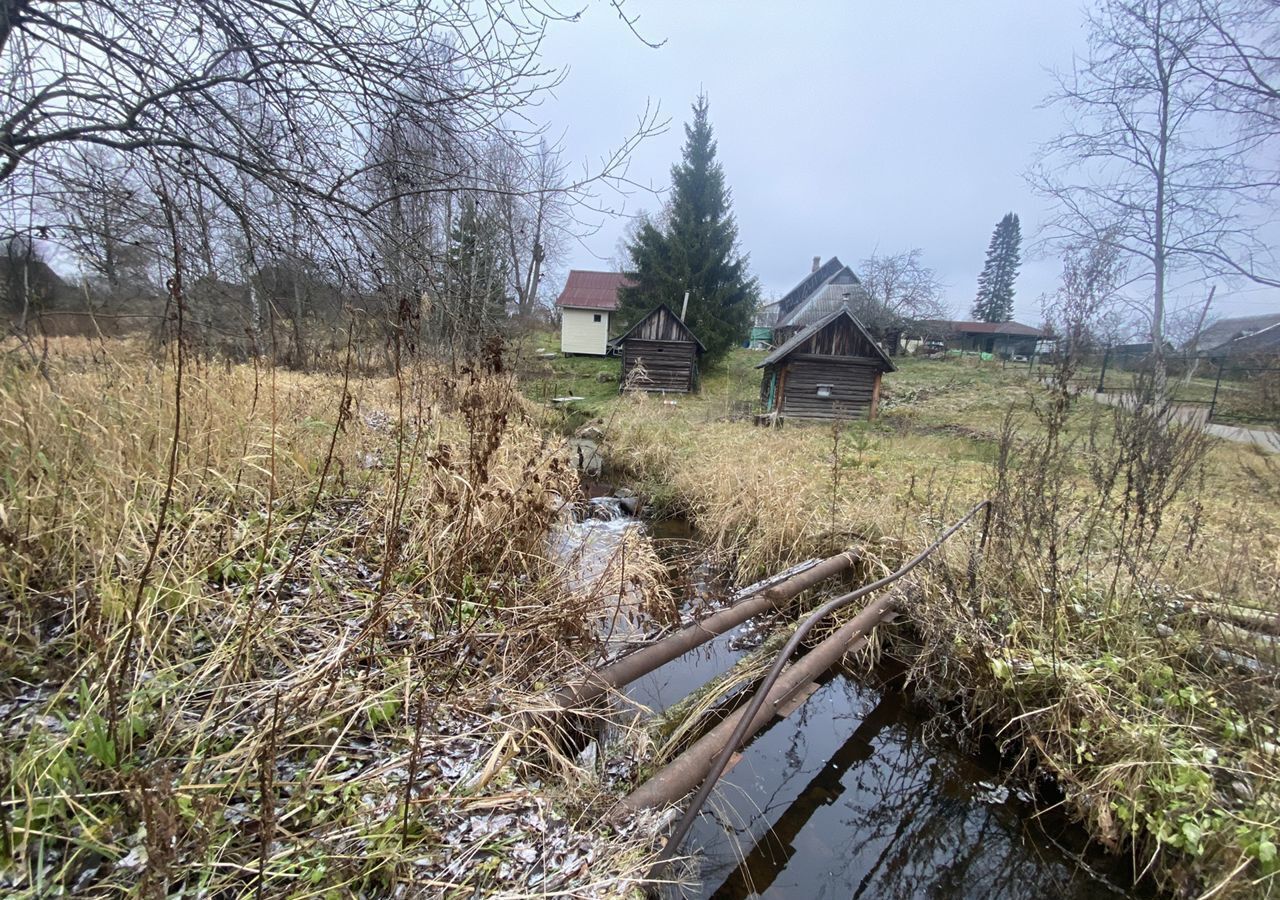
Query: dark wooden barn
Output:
(660,353)
(829,370)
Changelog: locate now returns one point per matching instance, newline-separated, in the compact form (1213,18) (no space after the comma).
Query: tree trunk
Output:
(299,338)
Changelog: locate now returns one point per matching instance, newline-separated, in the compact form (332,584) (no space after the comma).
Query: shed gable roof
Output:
(591,290)
(675,320)
(801,338)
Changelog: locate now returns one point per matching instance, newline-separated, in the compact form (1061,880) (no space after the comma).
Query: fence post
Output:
(1213,403)
(1102,376)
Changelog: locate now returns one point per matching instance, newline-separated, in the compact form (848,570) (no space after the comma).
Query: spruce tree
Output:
(694,250)
(995,285)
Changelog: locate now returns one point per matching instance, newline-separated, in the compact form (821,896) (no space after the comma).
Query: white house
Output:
(586,303)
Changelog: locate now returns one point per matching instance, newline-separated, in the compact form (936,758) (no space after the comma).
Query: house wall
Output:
(580,333)
(854,389)
(668,366)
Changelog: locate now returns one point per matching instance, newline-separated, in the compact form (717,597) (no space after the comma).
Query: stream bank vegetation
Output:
(280,633)
(1118,636)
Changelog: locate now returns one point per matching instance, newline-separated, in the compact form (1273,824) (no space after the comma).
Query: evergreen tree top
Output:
(695,249)
(994,302)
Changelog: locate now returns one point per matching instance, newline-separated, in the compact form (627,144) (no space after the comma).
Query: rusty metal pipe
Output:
(683,773)
(757,702)
(646,659)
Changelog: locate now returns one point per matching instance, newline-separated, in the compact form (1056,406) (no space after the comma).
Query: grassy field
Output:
(290,634)
(1121,630)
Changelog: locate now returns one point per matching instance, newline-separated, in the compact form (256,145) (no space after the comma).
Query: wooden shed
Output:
(660,353)
(830,369)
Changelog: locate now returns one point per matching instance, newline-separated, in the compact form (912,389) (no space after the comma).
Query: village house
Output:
(1261,346)
(1003,339)
(1220,338)
(586,305)
(828,287)
(830,369)
(660,353)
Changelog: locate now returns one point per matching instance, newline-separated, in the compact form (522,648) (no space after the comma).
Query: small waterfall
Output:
(608,509)
(592,544)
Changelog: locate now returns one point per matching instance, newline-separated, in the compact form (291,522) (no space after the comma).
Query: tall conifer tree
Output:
(995,285)
(695,250)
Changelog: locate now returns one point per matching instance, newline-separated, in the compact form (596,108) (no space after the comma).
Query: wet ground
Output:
(859,793)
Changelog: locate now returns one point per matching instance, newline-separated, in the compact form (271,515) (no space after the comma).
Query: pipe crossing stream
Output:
(846,789)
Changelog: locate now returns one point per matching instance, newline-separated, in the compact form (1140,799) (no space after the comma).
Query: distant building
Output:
(586,305)
(996,338)
(660,354)
(1256,345)
(1225,331)
(830,369)
(827,288)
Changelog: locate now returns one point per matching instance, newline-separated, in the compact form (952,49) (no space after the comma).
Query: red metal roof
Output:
(591,290)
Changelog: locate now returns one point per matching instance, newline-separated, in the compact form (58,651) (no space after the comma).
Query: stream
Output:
(857,793)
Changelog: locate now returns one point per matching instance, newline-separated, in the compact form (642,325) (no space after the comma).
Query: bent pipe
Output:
(683,773)
(751,712)
(646,659)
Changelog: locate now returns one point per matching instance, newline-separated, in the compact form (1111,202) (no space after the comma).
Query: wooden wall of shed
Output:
(669,366)
(855,389)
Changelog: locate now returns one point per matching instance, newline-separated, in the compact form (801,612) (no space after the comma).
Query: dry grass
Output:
(323,682)
(1131,675)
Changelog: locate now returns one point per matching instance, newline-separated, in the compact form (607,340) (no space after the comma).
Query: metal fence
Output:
(1222,390)
(1245,393)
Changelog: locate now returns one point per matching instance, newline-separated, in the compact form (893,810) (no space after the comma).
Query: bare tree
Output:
(1083,312)
(534,210)
(899,288)
(278,121)
(108,217)
(1146,165)
(1238,53)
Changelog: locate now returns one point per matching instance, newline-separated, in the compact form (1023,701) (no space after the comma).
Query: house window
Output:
(596,317)
(824,390)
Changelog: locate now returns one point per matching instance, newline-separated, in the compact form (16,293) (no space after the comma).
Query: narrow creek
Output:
(857,793)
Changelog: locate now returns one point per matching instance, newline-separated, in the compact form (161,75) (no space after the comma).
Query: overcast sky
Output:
(844,128)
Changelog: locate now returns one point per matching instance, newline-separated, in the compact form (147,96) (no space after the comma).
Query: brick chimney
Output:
(817,264)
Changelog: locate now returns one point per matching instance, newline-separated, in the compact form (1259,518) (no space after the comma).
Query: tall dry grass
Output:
(321,683)
(1119,634)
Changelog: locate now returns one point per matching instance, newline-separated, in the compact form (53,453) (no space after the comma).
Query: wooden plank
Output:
(874,361)
(796,700)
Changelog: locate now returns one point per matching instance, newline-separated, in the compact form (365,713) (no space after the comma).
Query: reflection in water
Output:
(844,799)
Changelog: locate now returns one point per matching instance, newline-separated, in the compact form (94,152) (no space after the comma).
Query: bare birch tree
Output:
(534,210)
(1147,165)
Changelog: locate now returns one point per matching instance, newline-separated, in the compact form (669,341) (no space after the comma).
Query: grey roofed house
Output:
(1263,342)
(1226,330)
(827,288)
